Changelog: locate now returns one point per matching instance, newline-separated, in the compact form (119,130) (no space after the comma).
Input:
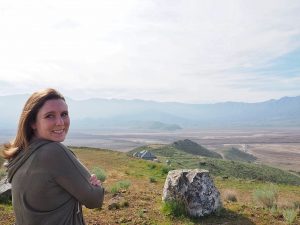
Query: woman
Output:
(49,184)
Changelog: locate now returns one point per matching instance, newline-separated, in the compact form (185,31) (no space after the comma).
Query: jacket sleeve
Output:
(67,171)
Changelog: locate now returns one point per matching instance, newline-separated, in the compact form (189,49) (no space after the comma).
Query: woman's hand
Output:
(94,180)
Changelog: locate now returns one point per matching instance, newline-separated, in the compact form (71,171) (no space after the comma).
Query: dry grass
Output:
(143,198)
(230,195)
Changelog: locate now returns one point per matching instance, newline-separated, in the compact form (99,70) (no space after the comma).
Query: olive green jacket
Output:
(49,185)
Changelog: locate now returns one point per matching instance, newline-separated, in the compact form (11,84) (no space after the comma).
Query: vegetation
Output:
(174,208)
(219,167)
(290,215)
(120,185)
(248,171)
(268,196)
(100,173)
(140,200)
(230,196)
(238,155)
(191,147)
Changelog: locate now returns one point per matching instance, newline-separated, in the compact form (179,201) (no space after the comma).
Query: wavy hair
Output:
(27,118)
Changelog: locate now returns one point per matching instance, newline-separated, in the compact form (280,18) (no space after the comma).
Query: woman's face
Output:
(52,121)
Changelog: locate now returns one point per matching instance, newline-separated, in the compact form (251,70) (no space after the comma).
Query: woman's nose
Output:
(59,121)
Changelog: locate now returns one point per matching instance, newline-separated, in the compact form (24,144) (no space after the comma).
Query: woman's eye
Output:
(65,114)
(50,116)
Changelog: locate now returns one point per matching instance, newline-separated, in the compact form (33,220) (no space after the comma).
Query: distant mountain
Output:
(149,115)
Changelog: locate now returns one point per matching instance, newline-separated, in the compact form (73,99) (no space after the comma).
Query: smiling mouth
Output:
(58,131)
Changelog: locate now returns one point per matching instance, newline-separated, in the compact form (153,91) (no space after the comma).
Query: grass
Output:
(230,196)
(220,167)
(248,171)
(267,196)
(120,185)
(238,155)
(174,208)
(290,215)
(143,198)
(100,173)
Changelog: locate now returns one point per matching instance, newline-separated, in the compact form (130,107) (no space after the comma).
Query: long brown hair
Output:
(27,118)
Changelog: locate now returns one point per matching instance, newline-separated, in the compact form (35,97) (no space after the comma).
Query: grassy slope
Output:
(238,155)
(219,167)
(193,148)
(144,197)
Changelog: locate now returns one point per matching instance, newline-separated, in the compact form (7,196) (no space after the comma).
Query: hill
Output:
(217,166)
(140,202)
(193,148)
(238,155)
(178,149)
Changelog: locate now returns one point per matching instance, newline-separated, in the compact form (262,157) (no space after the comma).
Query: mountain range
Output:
(101,114)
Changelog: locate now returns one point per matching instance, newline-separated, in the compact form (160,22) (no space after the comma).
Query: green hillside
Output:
(191,147)
(238,155)
(221,167)
(161,150)
(248,171)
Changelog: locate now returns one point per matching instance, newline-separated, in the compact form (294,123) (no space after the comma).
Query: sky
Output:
(192,51)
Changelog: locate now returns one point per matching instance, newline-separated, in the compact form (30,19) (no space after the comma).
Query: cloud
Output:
(195,51)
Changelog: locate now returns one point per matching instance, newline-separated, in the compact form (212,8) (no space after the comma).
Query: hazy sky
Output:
(191,51)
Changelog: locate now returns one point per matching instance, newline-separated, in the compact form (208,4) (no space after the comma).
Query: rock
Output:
(194,189)
(5,188)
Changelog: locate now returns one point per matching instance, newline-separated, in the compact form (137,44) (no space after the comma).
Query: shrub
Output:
(174,208)
(296,205)
(230,195)
(100,173)
(165,170)
(124,203)
(290,215)
(151,166)
(152,180)
(267,195)
(122,184)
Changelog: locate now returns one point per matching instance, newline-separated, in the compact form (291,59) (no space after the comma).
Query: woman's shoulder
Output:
(52,149)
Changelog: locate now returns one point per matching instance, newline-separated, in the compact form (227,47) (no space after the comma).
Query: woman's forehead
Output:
(54,105)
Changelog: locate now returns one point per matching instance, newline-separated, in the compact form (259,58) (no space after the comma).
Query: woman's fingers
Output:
(94,180)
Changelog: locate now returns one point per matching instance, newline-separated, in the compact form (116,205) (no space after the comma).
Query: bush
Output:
(100,173)
(165,170)
(122,184)
(151,166)
(296,205)
(174,208)
(230,196)
(290,215)
(152,180)
(267,195)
